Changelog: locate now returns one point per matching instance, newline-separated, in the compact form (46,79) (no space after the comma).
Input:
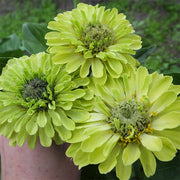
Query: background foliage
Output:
(22,32)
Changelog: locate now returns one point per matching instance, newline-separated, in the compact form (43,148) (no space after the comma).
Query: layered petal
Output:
(46,103)
(135,116)
(148,161)
(85,37)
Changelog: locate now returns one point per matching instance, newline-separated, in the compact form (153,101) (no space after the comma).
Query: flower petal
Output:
(97,68)
(96,117)
(97,156)
(44,139)
(63,58)
(167,152)
(175,88)
(163,101)
(95,140)
(74,64)
(21,137)
(31,126)
(78,115)
(175,106)
(41,119)
(159,86)
(141,77)
(115,65)
(81,82)
(116,88)
(66,122)
(63,133)
(77,136)
(152,143)
(102,107)
(20,123)
(172,134)
(72,149)
(110,144)
(130,154)
(123,172)
(167,121)
(32,140)
(56,119)
(104,94)
(84,70)
(129,85)
(49,129)
(102,79)
(81,158)
(107,165)
(64,104)
(61,50)
(148,161)
(112,73)
(100,13)
(94,128)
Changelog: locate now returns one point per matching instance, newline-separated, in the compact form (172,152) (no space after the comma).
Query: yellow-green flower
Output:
(41,100)
(135,117)
(92,39)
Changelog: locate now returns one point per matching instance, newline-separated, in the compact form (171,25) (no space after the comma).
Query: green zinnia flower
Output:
(90,38)
(135,117)
(40,99)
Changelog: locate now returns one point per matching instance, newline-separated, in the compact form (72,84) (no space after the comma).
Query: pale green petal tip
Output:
(152,143)
(167,152)
(148,161)
(130,154)
(122,172)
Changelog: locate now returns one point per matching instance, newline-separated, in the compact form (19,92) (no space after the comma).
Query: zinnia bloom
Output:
(92,39)
(135,117)
(40,99)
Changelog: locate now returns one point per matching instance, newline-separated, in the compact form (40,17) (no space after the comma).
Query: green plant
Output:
(37,12)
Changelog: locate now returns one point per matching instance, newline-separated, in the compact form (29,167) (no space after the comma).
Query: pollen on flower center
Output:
(97,37)
(34,89)
(129,119)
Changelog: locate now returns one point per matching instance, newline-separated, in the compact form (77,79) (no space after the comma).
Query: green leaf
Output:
(3,62)
(9,47)
(176,78)
(10,43)
(33,37)
(145,51)
(76,2)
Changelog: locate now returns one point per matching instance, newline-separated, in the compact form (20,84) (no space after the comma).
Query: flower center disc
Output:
(34,89)
(97,37)
(129,119)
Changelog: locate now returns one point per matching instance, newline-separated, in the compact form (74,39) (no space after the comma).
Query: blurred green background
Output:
(157,21)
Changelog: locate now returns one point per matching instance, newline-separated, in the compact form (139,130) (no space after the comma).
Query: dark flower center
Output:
(34,89)
(97,37)
(129,119)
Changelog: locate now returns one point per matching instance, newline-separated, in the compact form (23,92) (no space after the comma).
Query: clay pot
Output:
(42,163)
